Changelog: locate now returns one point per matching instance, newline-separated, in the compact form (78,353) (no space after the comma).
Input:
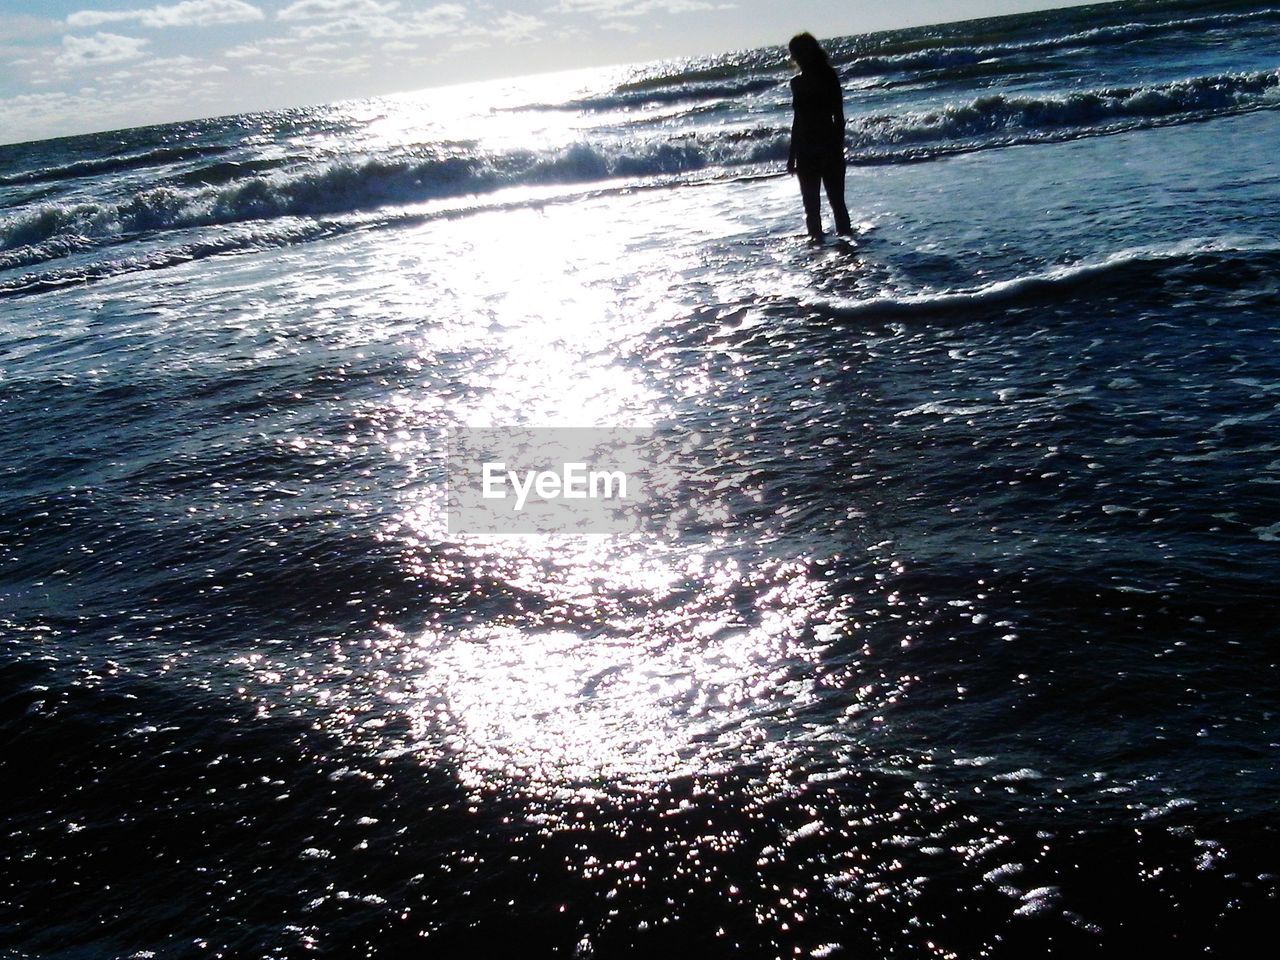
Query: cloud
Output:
(322,9)
(515,27)
(18,26)
(441,18)
(382,21)
(100,48)
(189,13)
(627,8)
(189,66)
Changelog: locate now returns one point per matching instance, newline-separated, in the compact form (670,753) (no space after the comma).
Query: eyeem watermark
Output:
(549,480)
(574,482)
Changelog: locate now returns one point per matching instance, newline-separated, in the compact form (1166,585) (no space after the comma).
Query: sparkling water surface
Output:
(972,651)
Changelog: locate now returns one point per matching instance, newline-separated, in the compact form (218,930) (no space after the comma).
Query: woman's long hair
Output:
(808,53)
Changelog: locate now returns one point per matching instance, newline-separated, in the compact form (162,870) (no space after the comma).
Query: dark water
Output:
(972,651)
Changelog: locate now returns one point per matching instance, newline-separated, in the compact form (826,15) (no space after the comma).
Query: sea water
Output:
(973,651)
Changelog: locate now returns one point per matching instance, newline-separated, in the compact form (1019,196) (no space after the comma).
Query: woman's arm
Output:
(791,150)
(837,113)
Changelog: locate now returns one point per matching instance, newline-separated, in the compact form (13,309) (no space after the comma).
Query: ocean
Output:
(968,649)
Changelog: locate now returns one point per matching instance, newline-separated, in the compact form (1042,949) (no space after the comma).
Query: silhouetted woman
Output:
(817,134)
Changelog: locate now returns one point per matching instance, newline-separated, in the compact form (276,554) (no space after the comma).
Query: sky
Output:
(78,66)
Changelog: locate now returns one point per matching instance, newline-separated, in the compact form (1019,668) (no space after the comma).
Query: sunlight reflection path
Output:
(589,661)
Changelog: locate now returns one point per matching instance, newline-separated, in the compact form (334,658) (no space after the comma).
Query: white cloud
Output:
(515,27)
(100,48)
(189,13)
(459,46)
(381,21)
(442,18)
(627,8)
(36,101)
(190,66)
(19,26)
(321,9)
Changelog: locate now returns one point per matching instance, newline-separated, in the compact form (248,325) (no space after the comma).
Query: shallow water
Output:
(970,652)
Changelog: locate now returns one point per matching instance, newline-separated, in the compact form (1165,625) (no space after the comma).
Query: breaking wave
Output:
(1139,268)
(99,165)
(54,229)
(1000,119)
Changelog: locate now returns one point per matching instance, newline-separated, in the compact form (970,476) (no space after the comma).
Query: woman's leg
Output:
(833,180)
(810,184)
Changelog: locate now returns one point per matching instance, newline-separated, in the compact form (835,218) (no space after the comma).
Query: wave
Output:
(237,241)
(889,53)
(1139,268)
(631,99)
(115,164)
(948,57)
(1001,120)
(225,171)
(706,70)
(342,187)
(82,261)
